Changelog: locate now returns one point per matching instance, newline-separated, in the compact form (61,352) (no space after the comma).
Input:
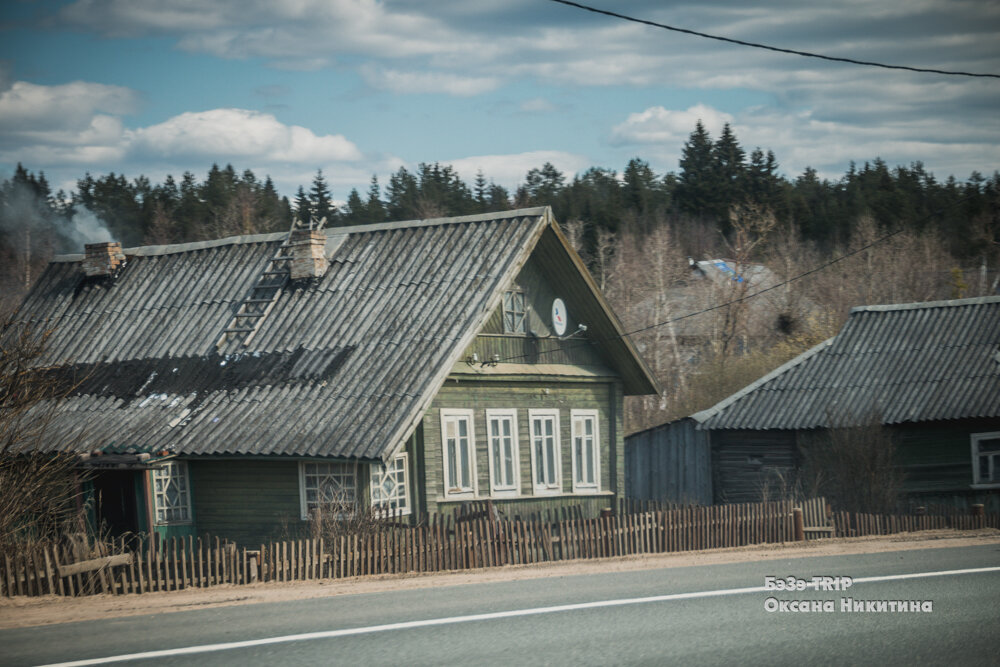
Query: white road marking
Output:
(450,620)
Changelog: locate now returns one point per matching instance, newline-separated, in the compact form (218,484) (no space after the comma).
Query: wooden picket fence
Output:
(465,540)
(852,524)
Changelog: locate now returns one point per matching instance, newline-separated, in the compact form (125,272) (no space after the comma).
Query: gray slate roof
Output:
(903,363)
(343,366)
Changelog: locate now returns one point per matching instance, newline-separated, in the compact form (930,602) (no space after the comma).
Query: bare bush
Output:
(855,467)
(340,515)
(38,489)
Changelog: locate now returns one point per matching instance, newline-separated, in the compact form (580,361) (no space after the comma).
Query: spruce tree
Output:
(303,208)
(730,170)
(355,213)
(479,189)
(401,195)
(375,208)
(696,192)
(321,201)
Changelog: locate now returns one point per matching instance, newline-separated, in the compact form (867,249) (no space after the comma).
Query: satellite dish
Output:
(560,317)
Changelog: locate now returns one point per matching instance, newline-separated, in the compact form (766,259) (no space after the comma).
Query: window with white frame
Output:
(586,451)
(172,493)
(545,461)
(389,486)
(501,430)
(986,458)
(515,312)
(459,452)
(329,487)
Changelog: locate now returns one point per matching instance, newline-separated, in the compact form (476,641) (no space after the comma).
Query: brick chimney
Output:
(308,252)
(103,259)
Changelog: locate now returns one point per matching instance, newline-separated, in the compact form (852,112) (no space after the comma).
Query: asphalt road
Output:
(700,616)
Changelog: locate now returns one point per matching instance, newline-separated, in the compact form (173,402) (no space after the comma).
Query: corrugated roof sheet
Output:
(341,367)
(903,363)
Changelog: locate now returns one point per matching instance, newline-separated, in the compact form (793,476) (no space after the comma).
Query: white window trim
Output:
(974,439)
(303,503)
(465,493)
(185,473)
(582,487)
(539,488)
(376,469)
(515,490)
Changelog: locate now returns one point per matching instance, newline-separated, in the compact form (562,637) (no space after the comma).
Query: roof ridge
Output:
(173,248)
(927,304)
(707,413)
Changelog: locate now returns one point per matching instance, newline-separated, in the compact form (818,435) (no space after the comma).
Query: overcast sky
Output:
(357,87)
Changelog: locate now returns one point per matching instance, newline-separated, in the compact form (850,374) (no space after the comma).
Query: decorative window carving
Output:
(172,493)
(389,486)
(328,487)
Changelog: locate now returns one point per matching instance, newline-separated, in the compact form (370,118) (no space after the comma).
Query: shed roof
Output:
(343,366)
(902,363)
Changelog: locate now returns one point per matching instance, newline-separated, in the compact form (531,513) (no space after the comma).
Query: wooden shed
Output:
(929,371)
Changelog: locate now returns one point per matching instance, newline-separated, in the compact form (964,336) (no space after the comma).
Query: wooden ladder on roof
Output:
(261,299)
(264,294)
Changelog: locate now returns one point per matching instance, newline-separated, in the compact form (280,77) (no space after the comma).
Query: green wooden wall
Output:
(529,350)
(248,501)
(539,293)
(544,347)
(530,393)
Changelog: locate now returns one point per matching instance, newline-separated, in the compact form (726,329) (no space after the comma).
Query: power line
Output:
(755,45)
(747,297)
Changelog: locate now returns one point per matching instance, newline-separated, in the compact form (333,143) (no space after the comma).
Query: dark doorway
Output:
(114,492)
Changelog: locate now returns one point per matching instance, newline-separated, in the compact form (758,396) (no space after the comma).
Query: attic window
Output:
(514,313)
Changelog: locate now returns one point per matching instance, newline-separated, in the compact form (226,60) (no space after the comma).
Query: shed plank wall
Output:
(745,463)
(671,463)
(935,457)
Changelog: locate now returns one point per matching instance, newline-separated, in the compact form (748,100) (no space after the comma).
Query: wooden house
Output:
(928,372)
(234,386)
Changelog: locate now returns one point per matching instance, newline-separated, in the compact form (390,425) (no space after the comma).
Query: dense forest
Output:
(907,236)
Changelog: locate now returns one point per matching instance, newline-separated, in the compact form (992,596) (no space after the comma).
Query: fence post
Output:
(979,513)
(800,527)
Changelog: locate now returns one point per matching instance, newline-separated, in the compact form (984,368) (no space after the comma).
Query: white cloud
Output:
(427,82)
(509,170)
(469,49)
(802,139)
(48,127)
(222,134)
(659,125)
(30,107)
(292,29)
